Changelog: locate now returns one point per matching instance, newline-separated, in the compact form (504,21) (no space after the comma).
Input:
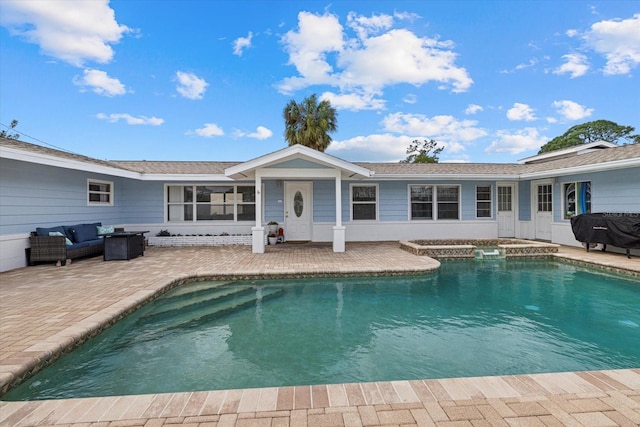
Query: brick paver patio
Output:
(44,310)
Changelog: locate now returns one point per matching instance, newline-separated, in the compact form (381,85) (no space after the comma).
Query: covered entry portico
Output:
(297,165)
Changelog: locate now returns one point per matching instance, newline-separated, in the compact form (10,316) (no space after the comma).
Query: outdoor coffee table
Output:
(123,245)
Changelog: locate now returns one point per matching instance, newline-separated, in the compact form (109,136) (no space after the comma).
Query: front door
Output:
(506,214)
(297,211)
(544,210)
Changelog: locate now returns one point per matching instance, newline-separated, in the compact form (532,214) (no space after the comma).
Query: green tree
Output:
(309,123)
(423,152)
(598,130)
(7,133)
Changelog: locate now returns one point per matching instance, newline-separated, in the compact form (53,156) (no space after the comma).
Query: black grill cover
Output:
(617,229)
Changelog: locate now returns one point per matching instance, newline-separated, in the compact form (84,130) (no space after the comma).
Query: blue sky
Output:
(491,81)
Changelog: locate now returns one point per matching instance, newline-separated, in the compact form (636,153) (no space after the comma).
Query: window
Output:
(211,203)
(421,197)
(434,201)
(99,192)
(483,201)
(448,201)
(577,198)
(504,199)
(544,198)
(364,202)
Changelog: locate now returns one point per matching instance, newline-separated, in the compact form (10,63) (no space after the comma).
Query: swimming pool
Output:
(470,318)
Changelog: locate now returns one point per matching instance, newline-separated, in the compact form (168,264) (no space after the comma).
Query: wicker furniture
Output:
(54,248)
(74,241)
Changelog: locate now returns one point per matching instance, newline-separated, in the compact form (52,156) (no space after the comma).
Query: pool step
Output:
(194,288)
(174,304)
(206,313)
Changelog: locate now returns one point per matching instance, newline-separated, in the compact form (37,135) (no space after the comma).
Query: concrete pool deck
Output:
(44,309)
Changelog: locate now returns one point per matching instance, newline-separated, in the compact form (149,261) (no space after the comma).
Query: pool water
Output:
(470,318)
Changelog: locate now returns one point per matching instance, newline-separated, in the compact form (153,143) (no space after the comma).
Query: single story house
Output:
(313,196)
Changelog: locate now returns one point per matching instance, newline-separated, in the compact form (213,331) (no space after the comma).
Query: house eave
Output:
(598,167)
(55,161)
(444,177)
(186,177)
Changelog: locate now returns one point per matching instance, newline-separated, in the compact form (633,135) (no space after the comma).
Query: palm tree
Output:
(309,123)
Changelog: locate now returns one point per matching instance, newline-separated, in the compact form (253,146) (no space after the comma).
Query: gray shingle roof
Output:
(385,169)
(175,168)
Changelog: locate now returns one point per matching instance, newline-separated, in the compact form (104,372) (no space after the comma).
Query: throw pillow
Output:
(85,232)
(57,233)
(105,229)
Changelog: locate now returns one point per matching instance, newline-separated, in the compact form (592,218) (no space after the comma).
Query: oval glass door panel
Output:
(298,204)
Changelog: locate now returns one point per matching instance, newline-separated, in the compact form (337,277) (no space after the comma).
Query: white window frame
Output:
(490,201)
(351,202)
(109,193)
(194,204)
(458,202)
(411,202)
(566,214)
(545,205)
(434,202)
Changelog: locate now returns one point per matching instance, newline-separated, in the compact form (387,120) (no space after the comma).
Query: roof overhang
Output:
(597,167)
(566,152)
(450,176)
(60,162)
(248,169)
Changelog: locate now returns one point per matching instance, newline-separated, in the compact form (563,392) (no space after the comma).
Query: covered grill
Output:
(617,229)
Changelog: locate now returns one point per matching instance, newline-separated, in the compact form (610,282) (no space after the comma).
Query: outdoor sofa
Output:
(67,242)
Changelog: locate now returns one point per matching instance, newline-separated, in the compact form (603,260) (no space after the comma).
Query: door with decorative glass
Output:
(297,211)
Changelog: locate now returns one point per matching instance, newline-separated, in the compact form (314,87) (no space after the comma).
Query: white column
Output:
(339,200)
(257,232)
(339,231)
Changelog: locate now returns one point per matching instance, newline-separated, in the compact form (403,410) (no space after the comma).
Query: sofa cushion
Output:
(85,232)
(85,244)
(41,231)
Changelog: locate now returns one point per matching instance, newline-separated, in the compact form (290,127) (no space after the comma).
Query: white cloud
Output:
(208,130)
(129,119)
(576,64)
(364,26)
(72,31)
(444,129)
(531,63)
(354,101)
(410,98)
(377,147)
(399,56)
(242,43)
(190,86)
(260,133)
(521,112)
(376,57)
(619,41)
(402,129)
(100,83)
(517,142)
(473,109)
(570,110)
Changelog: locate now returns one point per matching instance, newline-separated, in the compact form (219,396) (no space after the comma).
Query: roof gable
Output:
(296,156)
